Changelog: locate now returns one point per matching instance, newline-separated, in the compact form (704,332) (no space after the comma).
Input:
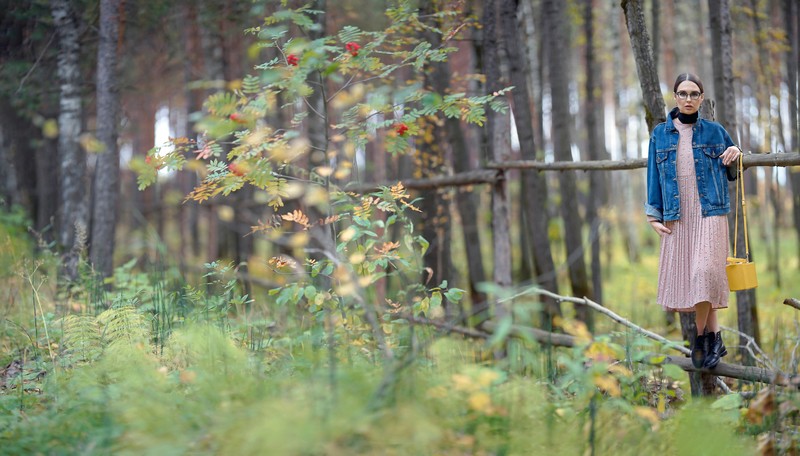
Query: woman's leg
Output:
(701,316)
(700,346)
(711,322)
(716,349)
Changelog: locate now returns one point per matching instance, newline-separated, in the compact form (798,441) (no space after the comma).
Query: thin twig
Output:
(751,342)
(33,67)
(607,312)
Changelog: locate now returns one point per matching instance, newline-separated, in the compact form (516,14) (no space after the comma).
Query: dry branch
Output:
(792,302)
(593,165)
(750,160)
(491,173)
(480,176)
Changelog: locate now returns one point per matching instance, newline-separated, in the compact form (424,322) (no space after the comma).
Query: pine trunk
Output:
(106,178)
(534,195)
(558,51)
(500,208)
(596,149)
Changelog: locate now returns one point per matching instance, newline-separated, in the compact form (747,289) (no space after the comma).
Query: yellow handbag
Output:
(741,271)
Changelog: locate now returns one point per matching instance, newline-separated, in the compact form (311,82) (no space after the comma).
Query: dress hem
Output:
(691,309)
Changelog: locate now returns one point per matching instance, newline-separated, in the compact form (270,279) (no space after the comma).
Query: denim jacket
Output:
(709,141)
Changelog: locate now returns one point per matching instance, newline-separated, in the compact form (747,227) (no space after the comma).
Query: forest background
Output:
(359,203)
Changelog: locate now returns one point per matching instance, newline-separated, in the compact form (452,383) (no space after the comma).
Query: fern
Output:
(123,325)
(81,337)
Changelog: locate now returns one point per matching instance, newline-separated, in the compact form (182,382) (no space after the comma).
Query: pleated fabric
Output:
(692,259)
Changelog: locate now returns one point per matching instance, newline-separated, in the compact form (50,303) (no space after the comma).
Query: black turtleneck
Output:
(684,118)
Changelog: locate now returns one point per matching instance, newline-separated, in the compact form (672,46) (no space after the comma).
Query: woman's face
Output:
(688,97)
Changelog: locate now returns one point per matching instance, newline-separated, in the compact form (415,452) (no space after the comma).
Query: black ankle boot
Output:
(716,350)
(699,350)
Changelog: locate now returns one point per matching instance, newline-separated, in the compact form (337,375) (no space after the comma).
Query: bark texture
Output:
(467,202)
(655,109)
(558,51)
(72,212)
(533,194)
(593,109)
(106,178)
(725,110)
(500,209)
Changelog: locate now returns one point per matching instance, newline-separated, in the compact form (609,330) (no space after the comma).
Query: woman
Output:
(688,166)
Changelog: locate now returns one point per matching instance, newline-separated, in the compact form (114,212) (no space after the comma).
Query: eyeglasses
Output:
(684,95)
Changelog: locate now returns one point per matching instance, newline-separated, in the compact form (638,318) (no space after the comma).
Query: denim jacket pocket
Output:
(714,176)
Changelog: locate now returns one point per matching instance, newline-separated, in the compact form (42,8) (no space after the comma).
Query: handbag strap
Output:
(740,194)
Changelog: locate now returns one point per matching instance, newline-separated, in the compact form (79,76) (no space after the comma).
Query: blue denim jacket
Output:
(709,141)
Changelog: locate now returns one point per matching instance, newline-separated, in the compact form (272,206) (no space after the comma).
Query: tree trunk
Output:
(72,180)
(792,16)
(436,204)
(467,202)
(534,194)
(106,178)
(46,188)
(558,51)
(597,181)
(500,209)
(655,109)
(655,24)
(701,384)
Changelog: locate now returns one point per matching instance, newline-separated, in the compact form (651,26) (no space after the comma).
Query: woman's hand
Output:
(730,155)
(660,228)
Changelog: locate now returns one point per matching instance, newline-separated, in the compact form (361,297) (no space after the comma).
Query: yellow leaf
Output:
(480,402)
(578,330)
(347,234)
(648,414)
(619,369)
(346,289)
(608,384)
(463,383)
(357,258)
(298,239)
(50,129)
(487,377)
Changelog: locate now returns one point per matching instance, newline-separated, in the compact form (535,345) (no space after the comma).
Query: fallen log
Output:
(746,373)
(791,302)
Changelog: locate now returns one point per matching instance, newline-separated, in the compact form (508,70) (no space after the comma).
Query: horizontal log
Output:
(480,176)
(592,165)
(791,302)
(747,373)
(750,160)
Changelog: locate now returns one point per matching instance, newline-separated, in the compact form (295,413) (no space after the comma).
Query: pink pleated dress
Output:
(692,260)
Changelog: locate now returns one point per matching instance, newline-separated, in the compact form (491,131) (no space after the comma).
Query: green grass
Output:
(198,375)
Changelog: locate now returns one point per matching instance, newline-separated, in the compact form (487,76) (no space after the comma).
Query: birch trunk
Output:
(72,213)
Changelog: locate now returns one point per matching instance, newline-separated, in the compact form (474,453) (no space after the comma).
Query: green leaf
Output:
(673,371)
(728,402)
(436,299)
(501,332)
(309,292)
(657,359)
(454,295)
